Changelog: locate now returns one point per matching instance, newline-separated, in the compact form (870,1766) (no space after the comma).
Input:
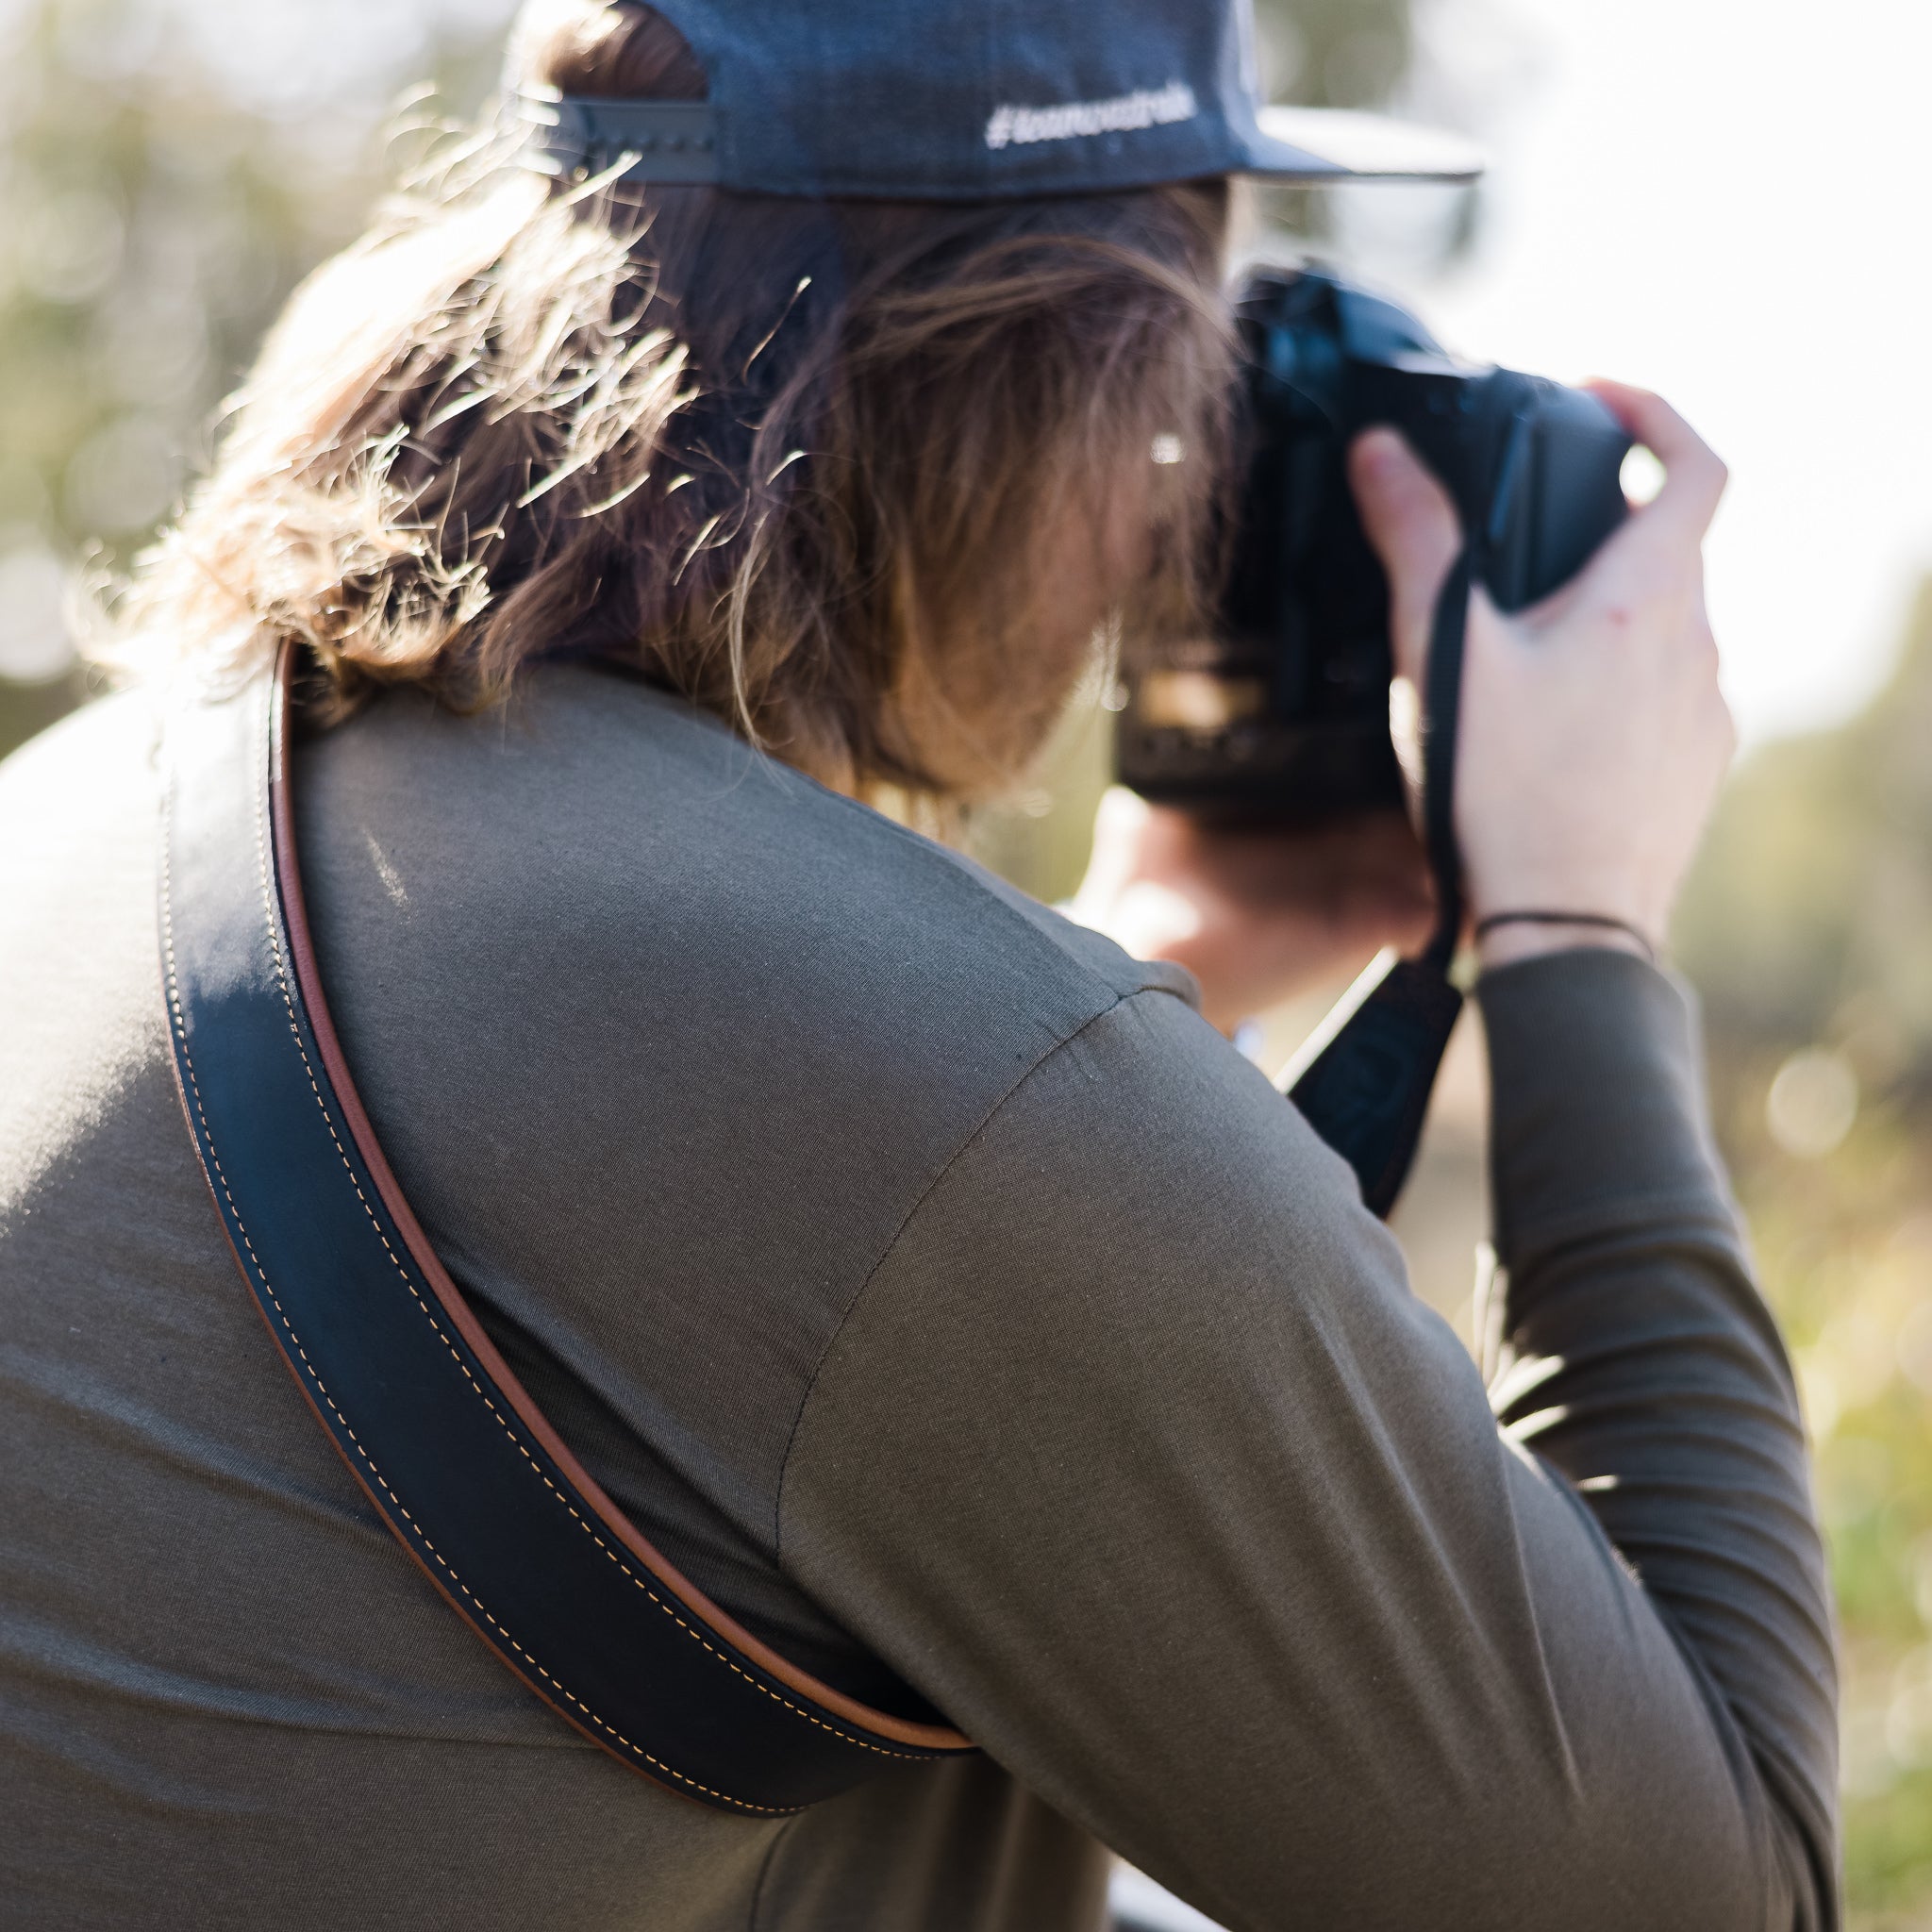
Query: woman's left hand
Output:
(1256,916)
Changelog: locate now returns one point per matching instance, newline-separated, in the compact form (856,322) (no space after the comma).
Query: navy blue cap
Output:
(948,100)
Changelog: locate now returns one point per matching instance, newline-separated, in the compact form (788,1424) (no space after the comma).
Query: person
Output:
(922,1272)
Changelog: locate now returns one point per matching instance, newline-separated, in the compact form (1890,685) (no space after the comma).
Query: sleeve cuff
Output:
(1597,1113)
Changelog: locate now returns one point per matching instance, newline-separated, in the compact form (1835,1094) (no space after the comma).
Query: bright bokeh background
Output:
(1727,202)
(1733,205)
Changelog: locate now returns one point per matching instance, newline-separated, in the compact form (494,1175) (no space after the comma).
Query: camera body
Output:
(1282,712)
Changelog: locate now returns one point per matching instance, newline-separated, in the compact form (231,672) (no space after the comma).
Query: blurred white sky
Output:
(1729,201)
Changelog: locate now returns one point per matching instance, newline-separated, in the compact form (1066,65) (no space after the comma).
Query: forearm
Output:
(1642,1364)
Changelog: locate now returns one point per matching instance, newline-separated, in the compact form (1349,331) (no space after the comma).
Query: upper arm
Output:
(1138,1455)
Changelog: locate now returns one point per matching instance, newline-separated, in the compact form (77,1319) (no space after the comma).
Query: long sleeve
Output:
(1138,1455)
(1674,1416)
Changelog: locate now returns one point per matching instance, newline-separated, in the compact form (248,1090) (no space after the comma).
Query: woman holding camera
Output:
(918,1271)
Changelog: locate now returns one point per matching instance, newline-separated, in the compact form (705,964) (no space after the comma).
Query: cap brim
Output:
(1315,146)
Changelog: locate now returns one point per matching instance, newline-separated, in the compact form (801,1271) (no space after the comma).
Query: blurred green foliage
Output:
(1810,915)
(1808,928)
(1335,53)
(168,170)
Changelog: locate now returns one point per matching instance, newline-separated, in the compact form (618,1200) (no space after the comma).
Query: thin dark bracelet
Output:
(1601,920)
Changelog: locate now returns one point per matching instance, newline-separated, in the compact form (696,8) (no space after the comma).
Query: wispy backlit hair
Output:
(864,479)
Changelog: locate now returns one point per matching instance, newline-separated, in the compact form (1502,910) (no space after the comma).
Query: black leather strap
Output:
(462,1467)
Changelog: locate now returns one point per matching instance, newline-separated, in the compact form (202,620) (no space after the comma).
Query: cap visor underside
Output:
(1324,144)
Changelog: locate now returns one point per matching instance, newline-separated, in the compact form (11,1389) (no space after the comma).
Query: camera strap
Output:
(1441,732)
(1363,1082)
(449,1447)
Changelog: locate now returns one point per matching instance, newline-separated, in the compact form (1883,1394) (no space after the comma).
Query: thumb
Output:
(1413,526)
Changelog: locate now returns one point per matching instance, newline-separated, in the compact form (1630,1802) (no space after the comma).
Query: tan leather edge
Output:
(295,917)
(443,1590)
(302,1389)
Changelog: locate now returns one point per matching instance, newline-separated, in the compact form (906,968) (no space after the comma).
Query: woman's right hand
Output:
(1594,734)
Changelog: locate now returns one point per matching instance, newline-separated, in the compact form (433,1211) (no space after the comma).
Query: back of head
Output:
(865,478)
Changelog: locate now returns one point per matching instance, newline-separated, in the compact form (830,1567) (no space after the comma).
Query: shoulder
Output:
(1146,1181)
(666,1044)
(614,835)
(102,751)
(80,817)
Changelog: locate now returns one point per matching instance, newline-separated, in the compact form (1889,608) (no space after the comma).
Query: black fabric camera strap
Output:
(1441,734)
(1363,1082)
(450,1449)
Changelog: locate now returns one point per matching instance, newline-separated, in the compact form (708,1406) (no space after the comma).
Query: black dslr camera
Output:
(1282,713)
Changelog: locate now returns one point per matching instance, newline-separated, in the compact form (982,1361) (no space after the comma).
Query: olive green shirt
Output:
(948,1300)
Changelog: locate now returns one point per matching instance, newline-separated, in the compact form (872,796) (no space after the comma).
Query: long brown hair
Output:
(862,478)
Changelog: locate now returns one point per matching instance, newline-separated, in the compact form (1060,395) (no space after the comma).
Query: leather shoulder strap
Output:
(451,1450)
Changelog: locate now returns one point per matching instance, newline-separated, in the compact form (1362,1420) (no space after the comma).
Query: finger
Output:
(1120,835)
(1694,474)
(1411,524)
(1121,817)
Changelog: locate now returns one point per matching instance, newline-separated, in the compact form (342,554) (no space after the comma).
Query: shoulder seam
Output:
(911,1214)
(958,865)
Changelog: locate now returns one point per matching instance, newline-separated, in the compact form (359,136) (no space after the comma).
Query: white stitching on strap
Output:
(179,1023)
